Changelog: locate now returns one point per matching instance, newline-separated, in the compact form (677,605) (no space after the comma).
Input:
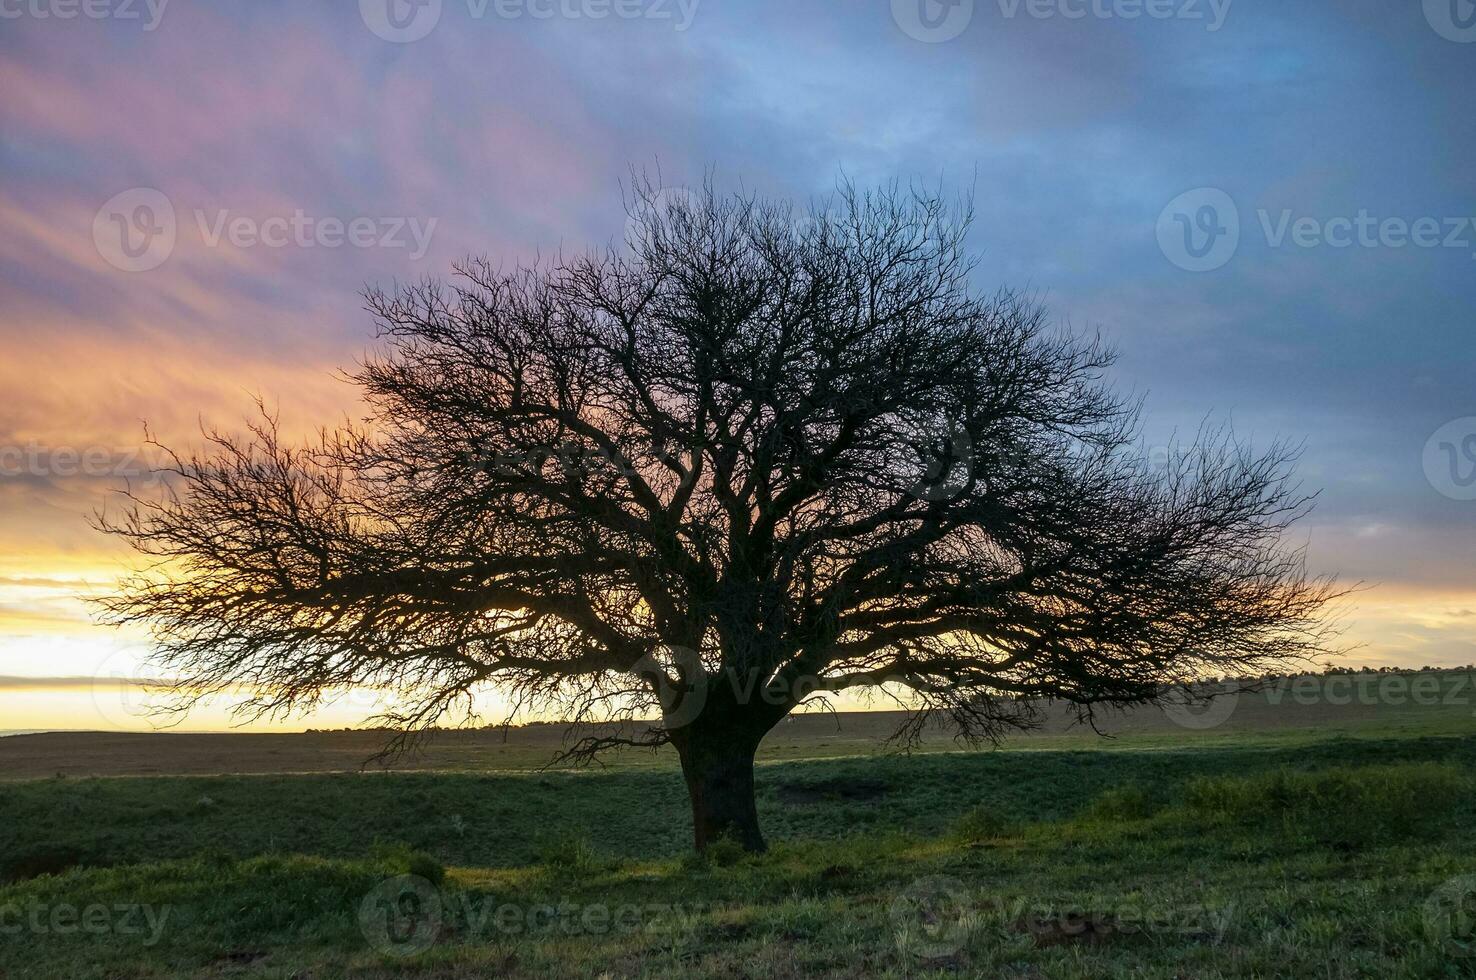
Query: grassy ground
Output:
(1280,852)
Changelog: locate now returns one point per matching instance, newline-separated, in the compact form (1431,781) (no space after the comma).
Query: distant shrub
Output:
(406,860)
(1339,807)
(725,852)
(570,852)
(982,823)
(1120,804)
(423,865)
(721,853)
(41,859)
(217,858)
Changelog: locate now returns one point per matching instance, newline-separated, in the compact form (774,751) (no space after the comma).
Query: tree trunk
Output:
(718,766)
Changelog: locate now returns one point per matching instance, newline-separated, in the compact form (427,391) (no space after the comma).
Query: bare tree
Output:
(747,461)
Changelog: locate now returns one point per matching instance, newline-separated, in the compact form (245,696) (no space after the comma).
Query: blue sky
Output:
(504,132)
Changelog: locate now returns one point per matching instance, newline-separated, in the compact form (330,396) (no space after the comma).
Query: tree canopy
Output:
(756,456)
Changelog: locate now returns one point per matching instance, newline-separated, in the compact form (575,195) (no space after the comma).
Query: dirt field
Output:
(1353,706)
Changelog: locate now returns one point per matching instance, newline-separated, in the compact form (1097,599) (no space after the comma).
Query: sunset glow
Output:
(304,157)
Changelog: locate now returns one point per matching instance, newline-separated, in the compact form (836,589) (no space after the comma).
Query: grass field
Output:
(1301,838)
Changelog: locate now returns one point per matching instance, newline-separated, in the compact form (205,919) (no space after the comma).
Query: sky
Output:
(1269,208)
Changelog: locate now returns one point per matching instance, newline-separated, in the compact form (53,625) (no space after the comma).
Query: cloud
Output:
(514,135)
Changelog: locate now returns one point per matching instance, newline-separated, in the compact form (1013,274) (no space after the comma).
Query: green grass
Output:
(1248,858)
(503,820)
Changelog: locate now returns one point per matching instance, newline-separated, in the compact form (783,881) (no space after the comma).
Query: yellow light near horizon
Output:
(45,633)
(112,708)
(98,682)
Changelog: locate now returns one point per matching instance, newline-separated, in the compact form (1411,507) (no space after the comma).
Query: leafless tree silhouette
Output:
(743,462)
